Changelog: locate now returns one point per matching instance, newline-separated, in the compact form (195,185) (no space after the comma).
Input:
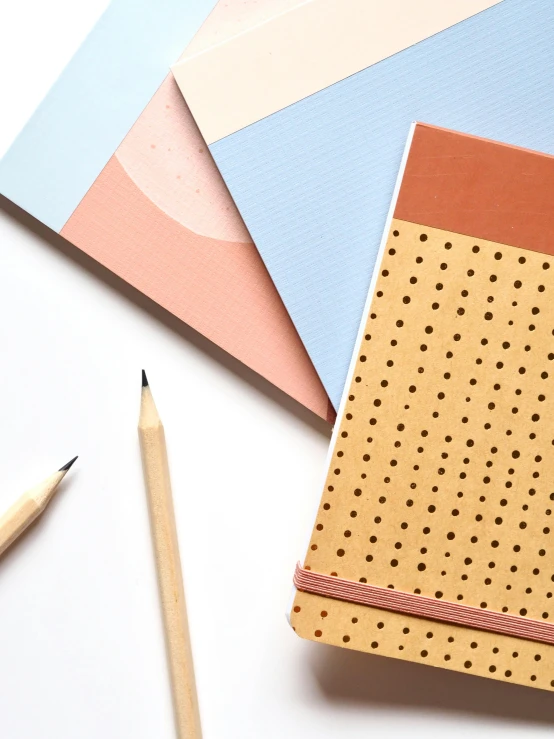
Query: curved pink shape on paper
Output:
(167,159)
(219,288)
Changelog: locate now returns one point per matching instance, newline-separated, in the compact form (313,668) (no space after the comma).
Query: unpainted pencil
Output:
(28,507)
(168,564)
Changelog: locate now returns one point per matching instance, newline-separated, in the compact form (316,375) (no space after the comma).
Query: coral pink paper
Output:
(160,216)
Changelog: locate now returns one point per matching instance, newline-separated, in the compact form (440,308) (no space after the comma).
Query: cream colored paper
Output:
(302,51)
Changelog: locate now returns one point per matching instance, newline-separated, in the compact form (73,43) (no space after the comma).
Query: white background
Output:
(81,645)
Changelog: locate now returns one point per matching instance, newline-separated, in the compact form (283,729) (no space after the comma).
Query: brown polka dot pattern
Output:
(442,475)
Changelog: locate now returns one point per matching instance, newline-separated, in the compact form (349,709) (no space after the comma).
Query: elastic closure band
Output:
(422,606)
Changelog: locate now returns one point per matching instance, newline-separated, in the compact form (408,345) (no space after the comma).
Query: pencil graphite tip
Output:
(144,379)
(67,465)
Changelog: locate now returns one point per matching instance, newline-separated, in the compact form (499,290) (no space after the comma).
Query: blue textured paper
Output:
(99,95)
(314,181)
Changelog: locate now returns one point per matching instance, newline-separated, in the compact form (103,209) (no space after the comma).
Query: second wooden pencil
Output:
(170,579)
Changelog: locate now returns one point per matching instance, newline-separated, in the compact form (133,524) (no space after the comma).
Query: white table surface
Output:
(81,643)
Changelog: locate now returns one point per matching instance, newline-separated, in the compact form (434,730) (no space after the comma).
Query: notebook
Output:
(307,116)
(432,541)
(113,161)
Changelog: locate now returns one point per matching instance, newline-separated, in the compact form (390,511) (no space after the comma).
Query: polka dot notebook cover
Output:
(432,542)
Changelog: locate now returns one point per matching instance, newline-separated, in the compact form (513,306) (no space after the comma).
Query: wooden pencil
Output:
(28,507)
(168,564)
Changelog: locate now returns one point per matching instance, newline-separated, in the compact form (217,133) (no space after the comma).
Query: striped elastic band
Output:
(422,606)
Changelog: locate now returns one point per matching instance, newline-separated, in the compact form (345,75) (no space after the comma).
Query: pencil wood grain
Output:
(168,564)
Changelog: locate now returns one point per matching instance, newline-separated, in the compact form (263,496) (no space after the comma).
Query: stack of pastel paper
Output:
(113,161)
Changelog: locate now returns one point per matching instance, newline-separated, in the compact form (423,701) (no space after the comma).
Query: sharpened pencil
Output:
(31,504)
(168,564)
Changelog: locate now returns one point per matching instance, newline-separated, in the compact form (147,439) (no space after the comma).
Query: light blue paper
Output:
(99,95)
(314,181)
